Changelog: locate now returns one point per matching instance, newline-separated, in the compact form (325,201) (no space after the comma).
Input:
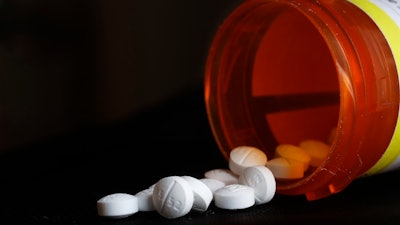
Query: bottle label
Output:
(386,15)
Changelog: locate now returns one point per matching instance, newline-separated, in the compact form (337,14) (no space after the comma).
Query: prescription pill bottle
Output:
(282,71)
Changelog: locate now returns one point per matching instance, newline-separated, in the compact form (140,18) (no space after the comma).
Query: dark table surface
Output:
(58,181)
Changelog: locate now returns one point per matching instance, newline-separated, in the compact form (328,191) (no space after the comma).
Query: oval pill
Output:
(317,150)
(117,205)
(246,156)
(234,196)
(172,197)
(201,193)
(262,180)
(224,175)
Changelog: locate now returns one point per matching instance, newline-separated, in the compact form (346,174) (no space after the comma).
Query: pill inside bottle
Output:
(281,73)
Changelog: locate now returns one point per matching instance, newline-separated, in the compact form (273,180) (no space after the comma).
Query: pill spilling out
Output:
(242,157)
(173,197)
(117,205)
(201,192)
(262,180)
(234,196)
(250,179)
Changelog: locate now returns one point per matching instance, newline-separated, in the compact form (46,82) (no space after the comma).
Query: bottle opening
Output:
(276,75)
(279,84)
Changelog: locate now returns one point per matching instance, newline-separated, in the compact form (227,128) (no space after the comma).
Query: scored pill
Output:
(201,193)
(317,150)
(293,153)
(234,196)
(245,156)
(172,197)
(282,168)
(262,180)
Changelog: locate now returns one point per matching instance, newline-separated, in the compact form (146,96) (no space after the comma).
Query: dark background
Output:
(98,97)
(71,64)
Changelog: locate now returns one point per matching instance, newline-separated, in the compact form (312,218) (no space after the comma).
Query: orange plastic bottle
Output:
(281,71)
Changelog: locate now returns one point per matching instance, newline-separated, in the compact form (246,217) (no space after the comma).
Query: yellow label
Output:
(386,15)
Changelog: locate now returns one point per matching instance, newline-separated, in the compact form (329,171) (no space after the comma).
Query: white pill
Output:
(201,193)
(246,156)
(317,150)
(282,168)
(293,153)
(118,205)
(224,175)
(145,199)
(262,180)
(212,184)
(234,196)
(172,197)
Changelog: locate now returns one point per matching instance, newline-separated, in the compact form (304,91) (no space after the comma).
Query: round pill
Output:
(201,193)
(246,156)
(172,197)
(118,205)
(145,200)
(317,150)
(224,175)
(234,196)
(212,184)
(293,153)
(283,169)
(261,179)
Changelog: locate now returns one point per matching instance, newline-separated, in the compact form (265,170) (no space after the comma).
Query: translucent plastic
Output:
(281,71)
